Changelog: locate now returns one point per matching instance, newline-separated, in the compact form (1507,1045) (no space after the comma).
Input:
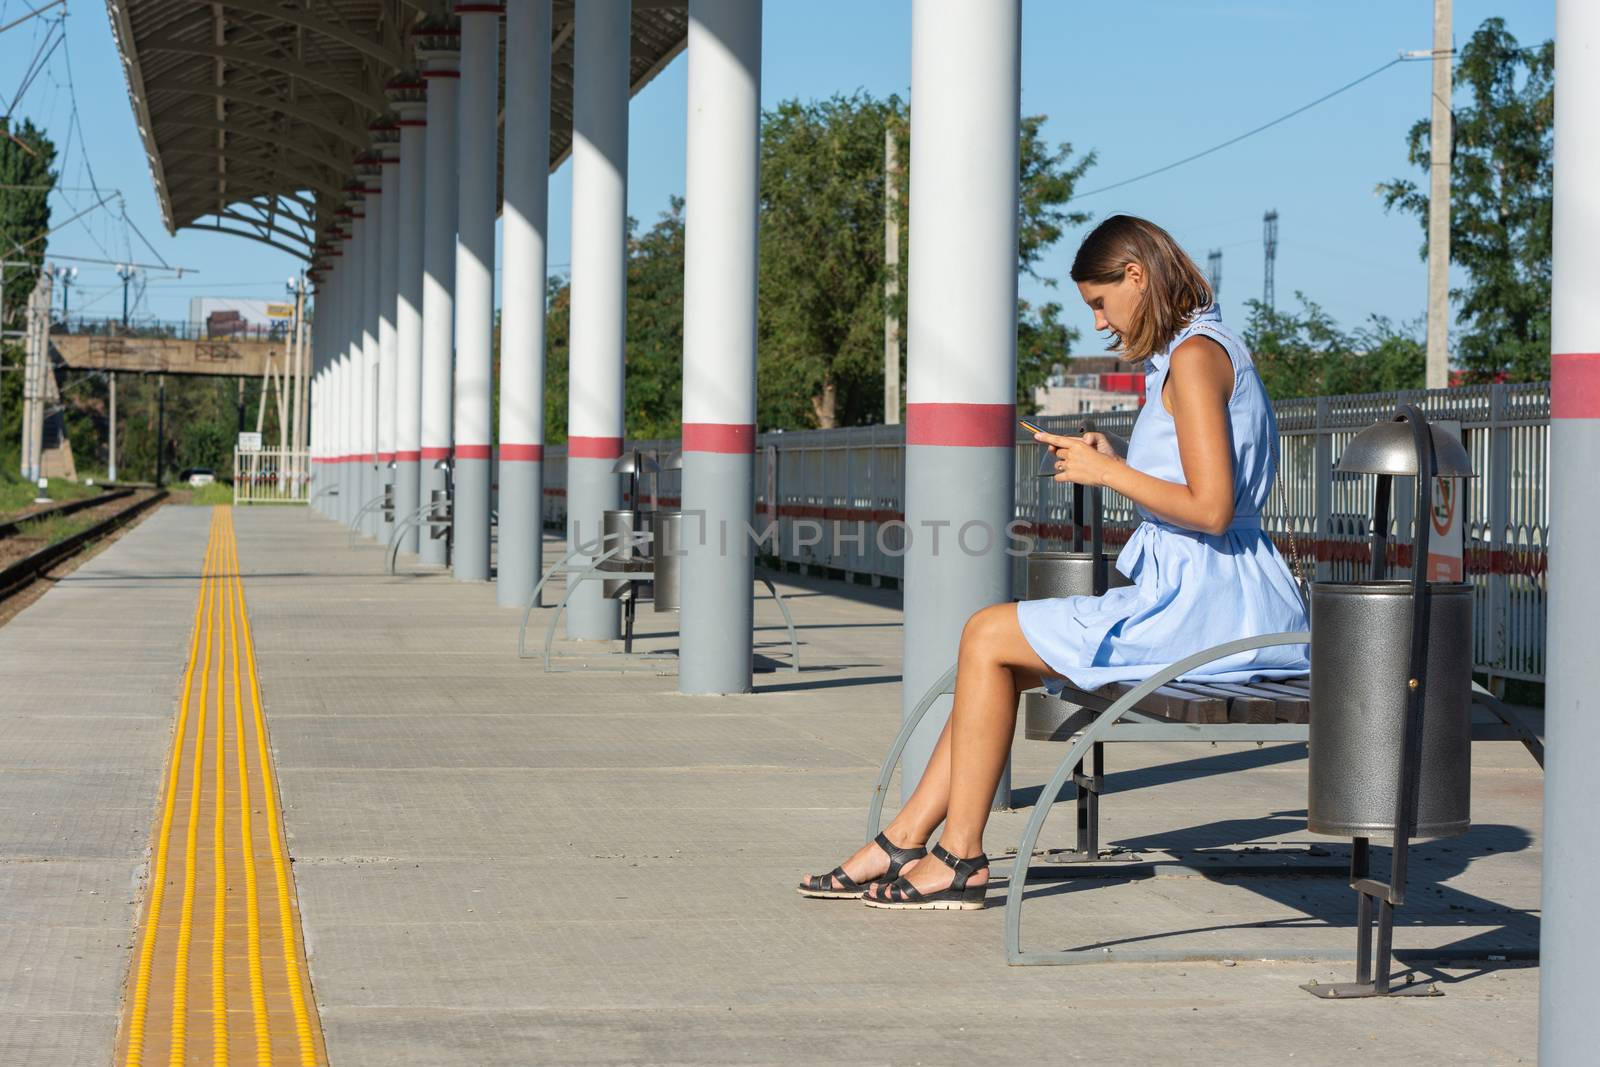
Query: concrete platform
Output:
(496,865)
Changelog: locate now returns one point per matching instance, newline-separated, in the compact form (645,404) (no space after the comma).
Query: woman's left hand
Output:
(1078,460)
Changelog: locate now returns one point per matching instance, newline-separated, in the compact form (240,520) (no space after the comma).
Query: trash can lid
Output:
(1387,448)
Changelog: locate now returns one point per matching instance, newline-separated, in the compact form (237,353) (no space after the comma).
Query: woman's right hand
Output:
(1102,444)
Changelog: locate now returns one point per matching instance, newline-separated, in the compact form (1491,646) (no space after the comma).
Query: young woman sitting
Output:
(1199,468)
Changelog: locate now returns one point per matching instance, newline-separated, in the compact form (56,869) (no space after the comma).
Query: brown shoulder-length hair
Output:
(1175,289)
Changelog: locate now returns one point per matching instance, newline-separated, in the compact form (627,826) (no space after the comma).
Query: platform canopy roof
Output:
(258,116)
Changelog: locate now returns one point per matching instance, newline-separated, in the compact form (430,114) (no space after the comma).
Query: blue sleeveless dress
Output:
(1190,590)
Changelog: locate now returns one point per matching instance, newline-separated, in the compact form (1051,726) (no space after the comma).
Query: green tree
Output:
(1294,350)
(557,342)
(1500,203)
(26,156)
(654,349)
(821,315)
(654,396)
(1306,353)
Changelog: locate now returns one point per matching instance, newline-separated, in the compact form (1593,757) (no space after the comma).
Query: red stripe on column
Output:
(736,437)
(522,453)
(1575,385)
(962,425)
(385,457)
(435,453)
(408,457)
(594,447)
(472,451)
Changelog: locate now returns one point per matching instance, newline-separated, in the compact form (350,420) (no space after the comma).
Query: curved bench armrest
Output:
(1102,723)
(945,684)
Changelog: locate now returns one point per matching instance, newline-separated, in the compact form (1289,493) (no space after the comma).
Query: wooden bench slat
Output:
(1284,700)
(1244,704)
(1166,702)
(1293,707)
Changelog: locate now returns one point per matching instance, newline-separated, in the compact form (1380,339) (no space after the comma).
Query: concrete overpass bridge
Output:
(228,357)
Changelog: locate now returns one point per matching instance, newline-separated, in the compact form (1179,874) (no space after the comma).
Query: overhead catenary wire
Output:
(41,56)
(32,13)
(1347,86)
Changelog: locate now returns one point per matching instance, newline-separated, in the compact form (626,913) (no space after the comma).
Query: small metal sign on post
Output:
(1444,562)
(249,441)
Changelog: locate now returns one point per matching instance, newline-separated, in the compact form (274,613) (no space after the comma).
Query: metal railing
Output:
(836,496)
(271,476)
(176,329)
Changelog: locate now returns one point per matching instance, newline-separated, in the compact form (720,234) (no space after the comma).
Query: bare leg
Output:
(990,632)
(996,663)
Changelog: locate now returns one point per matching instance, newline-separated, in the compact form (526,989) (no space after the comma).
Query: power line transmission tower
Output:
(1269,242)
(1214,271)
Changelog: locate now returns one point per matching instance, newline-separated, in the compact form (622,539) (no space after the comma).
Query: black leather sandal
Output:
(958,897)
(822,885)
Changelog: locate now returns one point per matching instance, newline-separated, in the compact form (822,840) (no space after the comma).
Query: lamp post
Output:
(64,276)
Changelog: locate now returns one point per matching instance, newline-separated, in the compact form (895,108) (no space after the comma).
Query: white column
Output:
(477,151)
(961,338)
(310,441)
(328,317)
(438,283)
(719,344)
(371,350)
(388,340)
(350,371)
(1569,934)
(408,316)
(599,290)
(333,404)
(527,168)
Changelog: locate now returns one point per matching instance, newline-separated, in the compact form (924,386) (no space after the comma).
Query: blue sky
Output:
(1142,84)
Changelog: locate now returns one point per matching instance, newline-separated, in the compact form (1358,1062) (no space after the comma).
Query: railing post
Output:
(1499,505)
(1323,475)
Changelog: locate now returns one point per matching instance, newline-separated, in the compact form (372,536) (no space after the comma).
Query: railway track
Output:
(22,573)
(14,526)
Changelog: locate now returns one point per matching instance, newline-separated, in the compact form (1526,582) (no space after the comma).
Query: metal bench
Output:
(1160,709)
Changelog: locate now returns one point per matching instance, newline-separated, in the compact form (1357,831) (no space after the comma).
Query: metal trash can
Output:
(619,527)
(1053,574)
(1360,665)
(667,526)
(438,513)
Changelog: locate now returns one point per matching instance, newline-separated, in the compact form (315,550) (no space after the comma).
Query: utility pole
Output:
(891,280)
(1214,273)
(33,381)
(1269,244)
(161,429)
(125,271)
(1440,138)
(297,364)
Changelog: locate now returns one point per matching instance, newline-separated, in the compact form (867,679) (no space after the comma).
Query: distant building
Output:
(226,316)
(1087,384)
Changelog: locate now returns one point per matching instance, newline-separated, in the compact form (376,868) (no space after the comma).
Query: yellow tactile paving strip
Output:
(219,970)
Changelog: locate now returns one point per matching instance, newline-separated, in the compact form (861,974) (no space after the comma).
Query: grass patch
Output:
(55,528)
(17,495)
(209,495)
